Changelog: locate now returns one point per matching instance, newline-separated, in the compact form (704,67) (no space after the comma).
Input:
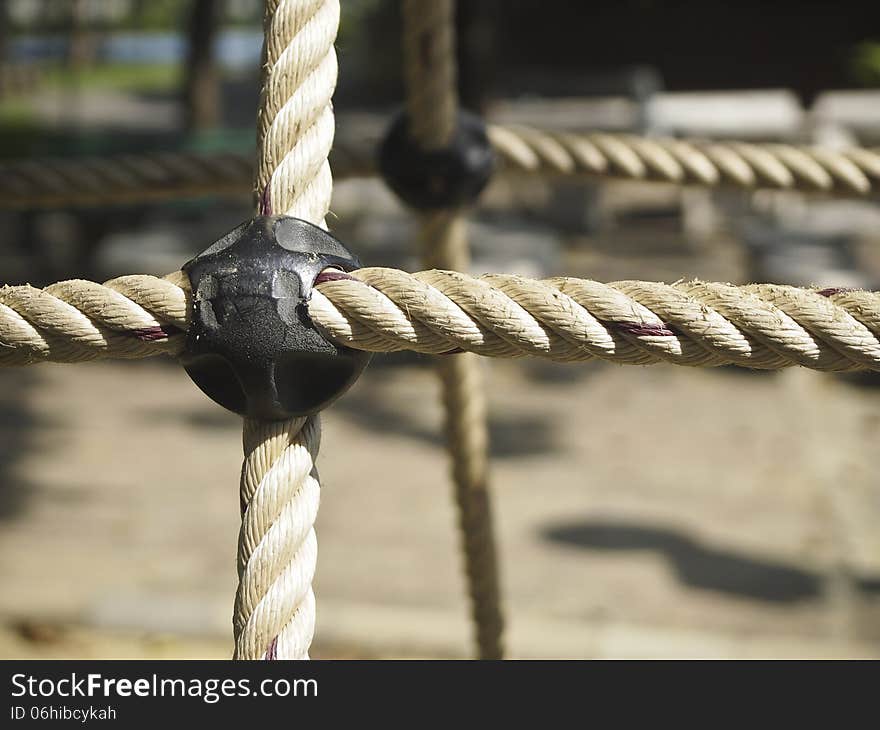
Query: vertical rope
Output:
(277,549)
(429,70)
(274,615)
(432,104)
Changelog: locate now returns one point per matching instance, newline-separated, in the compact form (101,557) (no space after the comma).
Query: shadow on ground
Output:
(510,435)
(698,565)
(16,425)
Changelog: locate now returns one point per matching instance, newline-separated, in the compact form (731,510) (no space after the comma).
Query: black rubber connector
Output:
(448,177)
(251,346)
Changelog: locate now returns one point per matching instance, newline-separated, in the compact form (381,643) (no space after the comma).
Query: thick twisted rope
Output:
(73,321)
(295,124)
(431,107)
(688,162)
(695,323)
(766,326)
(277,549)
(430,70)
(274,615)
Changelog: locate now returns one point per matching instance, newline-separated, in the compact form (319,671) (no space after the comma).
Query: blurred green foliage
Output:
(158,15)
(866,63)
(118,76)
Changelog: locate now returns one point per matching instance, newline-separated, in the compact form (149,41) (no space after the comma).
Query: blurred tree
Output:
(243,12)
(866,63)
(160,14)
(81,49)
(476,23)
(4,31)
(201,93)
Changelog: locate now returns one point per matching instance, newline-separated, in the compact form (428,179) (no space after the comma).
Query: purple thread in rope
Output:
(333,275)
(272,651)
(638,329)
(832,290)
(265,202)
(152,334)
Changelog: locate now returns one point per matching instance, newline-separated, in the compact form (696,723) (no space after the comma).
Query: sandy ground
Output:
(641,511)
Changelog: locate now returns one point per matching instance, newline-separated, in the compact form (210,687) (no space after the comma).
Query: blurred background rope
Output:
(432,107)
(854,171)
(124,179)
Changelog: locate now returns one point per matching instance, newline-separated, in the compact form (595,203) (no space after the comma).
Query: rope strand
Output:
(694,323)
(854,171)
(277,548)
(274,615)
(432,107)
(77,320)
(766,326)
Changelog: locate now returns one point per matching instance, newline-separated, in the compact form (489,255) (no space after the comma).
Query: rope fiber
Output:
(766,326)
(274,615)
(77,320)
(694,323)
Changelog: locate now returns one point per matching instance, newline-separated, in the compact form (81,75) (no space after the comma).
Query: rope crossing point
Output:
(701,324)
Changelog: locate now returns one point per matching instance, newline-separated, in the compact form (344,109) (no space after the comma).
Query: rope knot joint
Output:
(251,346)
(437,178)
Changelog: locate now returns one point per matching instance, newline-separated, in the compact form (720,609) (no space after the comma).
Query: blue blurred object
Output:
(234,48)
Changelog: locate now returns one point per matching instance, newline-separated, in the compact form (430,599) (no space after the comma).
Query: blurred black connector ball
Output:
(251,346)
(449,177)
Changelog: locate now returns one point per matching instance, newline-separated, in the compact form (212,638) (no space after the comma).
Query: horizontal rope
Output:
(766,326)
(122,179)
(128,179)
(125,179)
(854,171)
(695,323)
(71,321)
